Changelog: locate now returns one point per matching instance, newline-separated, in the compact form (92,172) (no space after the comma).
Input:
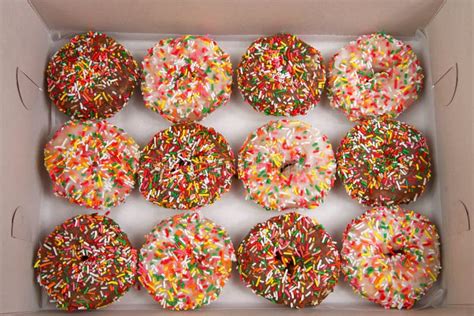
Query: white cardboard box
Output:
(440,32)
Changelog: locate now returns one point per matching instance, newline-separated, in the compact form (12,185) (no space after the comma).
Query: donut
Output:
(391,256)
(86,263)
(186,78)
(376,75)
(289,259)
(185,261)
(185,167)
(281,75)
(384,162)
(92,163)
(287,164)
(91,77)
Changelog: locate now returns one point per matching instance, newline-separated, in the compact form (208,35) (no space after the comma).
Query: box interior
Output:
(35,29)
(235,121)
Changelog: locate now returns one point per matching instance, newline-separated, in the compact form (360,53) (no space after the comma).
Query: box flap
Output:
(342,17)
(24,49)
(450,35)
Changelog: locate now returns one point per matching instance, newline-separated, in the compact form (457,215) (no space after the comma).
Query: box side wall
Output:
(342,17)
(452,311)
(24,47)
(451,41)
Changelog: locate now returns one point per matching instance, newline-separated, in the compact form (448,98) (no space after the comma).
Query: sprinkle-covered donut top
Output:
(92,164)
(287,164)
(281,75)
(376,75)
(391,256)
(86,263)
(186,78)
(289,259)
(185,261)
(185,167)
(384,162)
(91,77)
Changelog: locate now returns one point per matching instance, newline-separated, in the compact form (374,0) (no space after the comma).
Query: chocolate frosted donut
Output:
(185,167)
(281,75)
(91,77)
(86,263)
(289,259)
(384,162)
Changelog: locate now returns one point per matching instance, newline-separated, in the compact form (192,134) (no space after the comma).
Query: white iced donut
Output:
(92,164)
(287,164)
(185,261)
(391,256)
(186,78)
(376,75)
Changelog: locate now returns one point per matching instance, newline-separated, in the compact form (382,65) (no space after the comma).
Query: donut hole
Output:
(84,257)
(287,165)
(200,259)
(289,265)
(378,69)
(380,74)
(94,166)
(394,252)
(187,74)
(179,165)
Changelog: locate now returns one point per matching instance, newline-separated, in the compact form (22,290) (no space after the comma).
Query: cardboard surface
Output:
(342,17)
(25,44)
(451,40)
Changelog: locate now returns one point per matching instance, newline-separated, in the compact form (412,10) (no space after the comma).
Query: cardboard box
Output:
(440,31)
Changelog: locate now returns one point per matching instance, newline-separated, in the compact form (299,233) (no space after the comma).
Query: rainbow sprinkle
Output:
(289,259)
(185,167)
(391,256)
(376,75)
(384,162)
(287,164)
(281,75)
(86,263)
(91,77)
(185,261)
(186,78)
(92,164)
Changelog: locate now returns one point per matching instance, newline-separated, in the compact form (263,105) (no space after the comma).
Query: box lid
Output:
(342,17)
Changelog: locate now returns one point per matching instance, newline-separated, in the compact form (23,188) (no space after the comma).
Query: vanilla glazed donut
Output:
(92,164)
(287,164)
(186,78)
(376,75)
(391,256)
(185,261)
(289,259)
